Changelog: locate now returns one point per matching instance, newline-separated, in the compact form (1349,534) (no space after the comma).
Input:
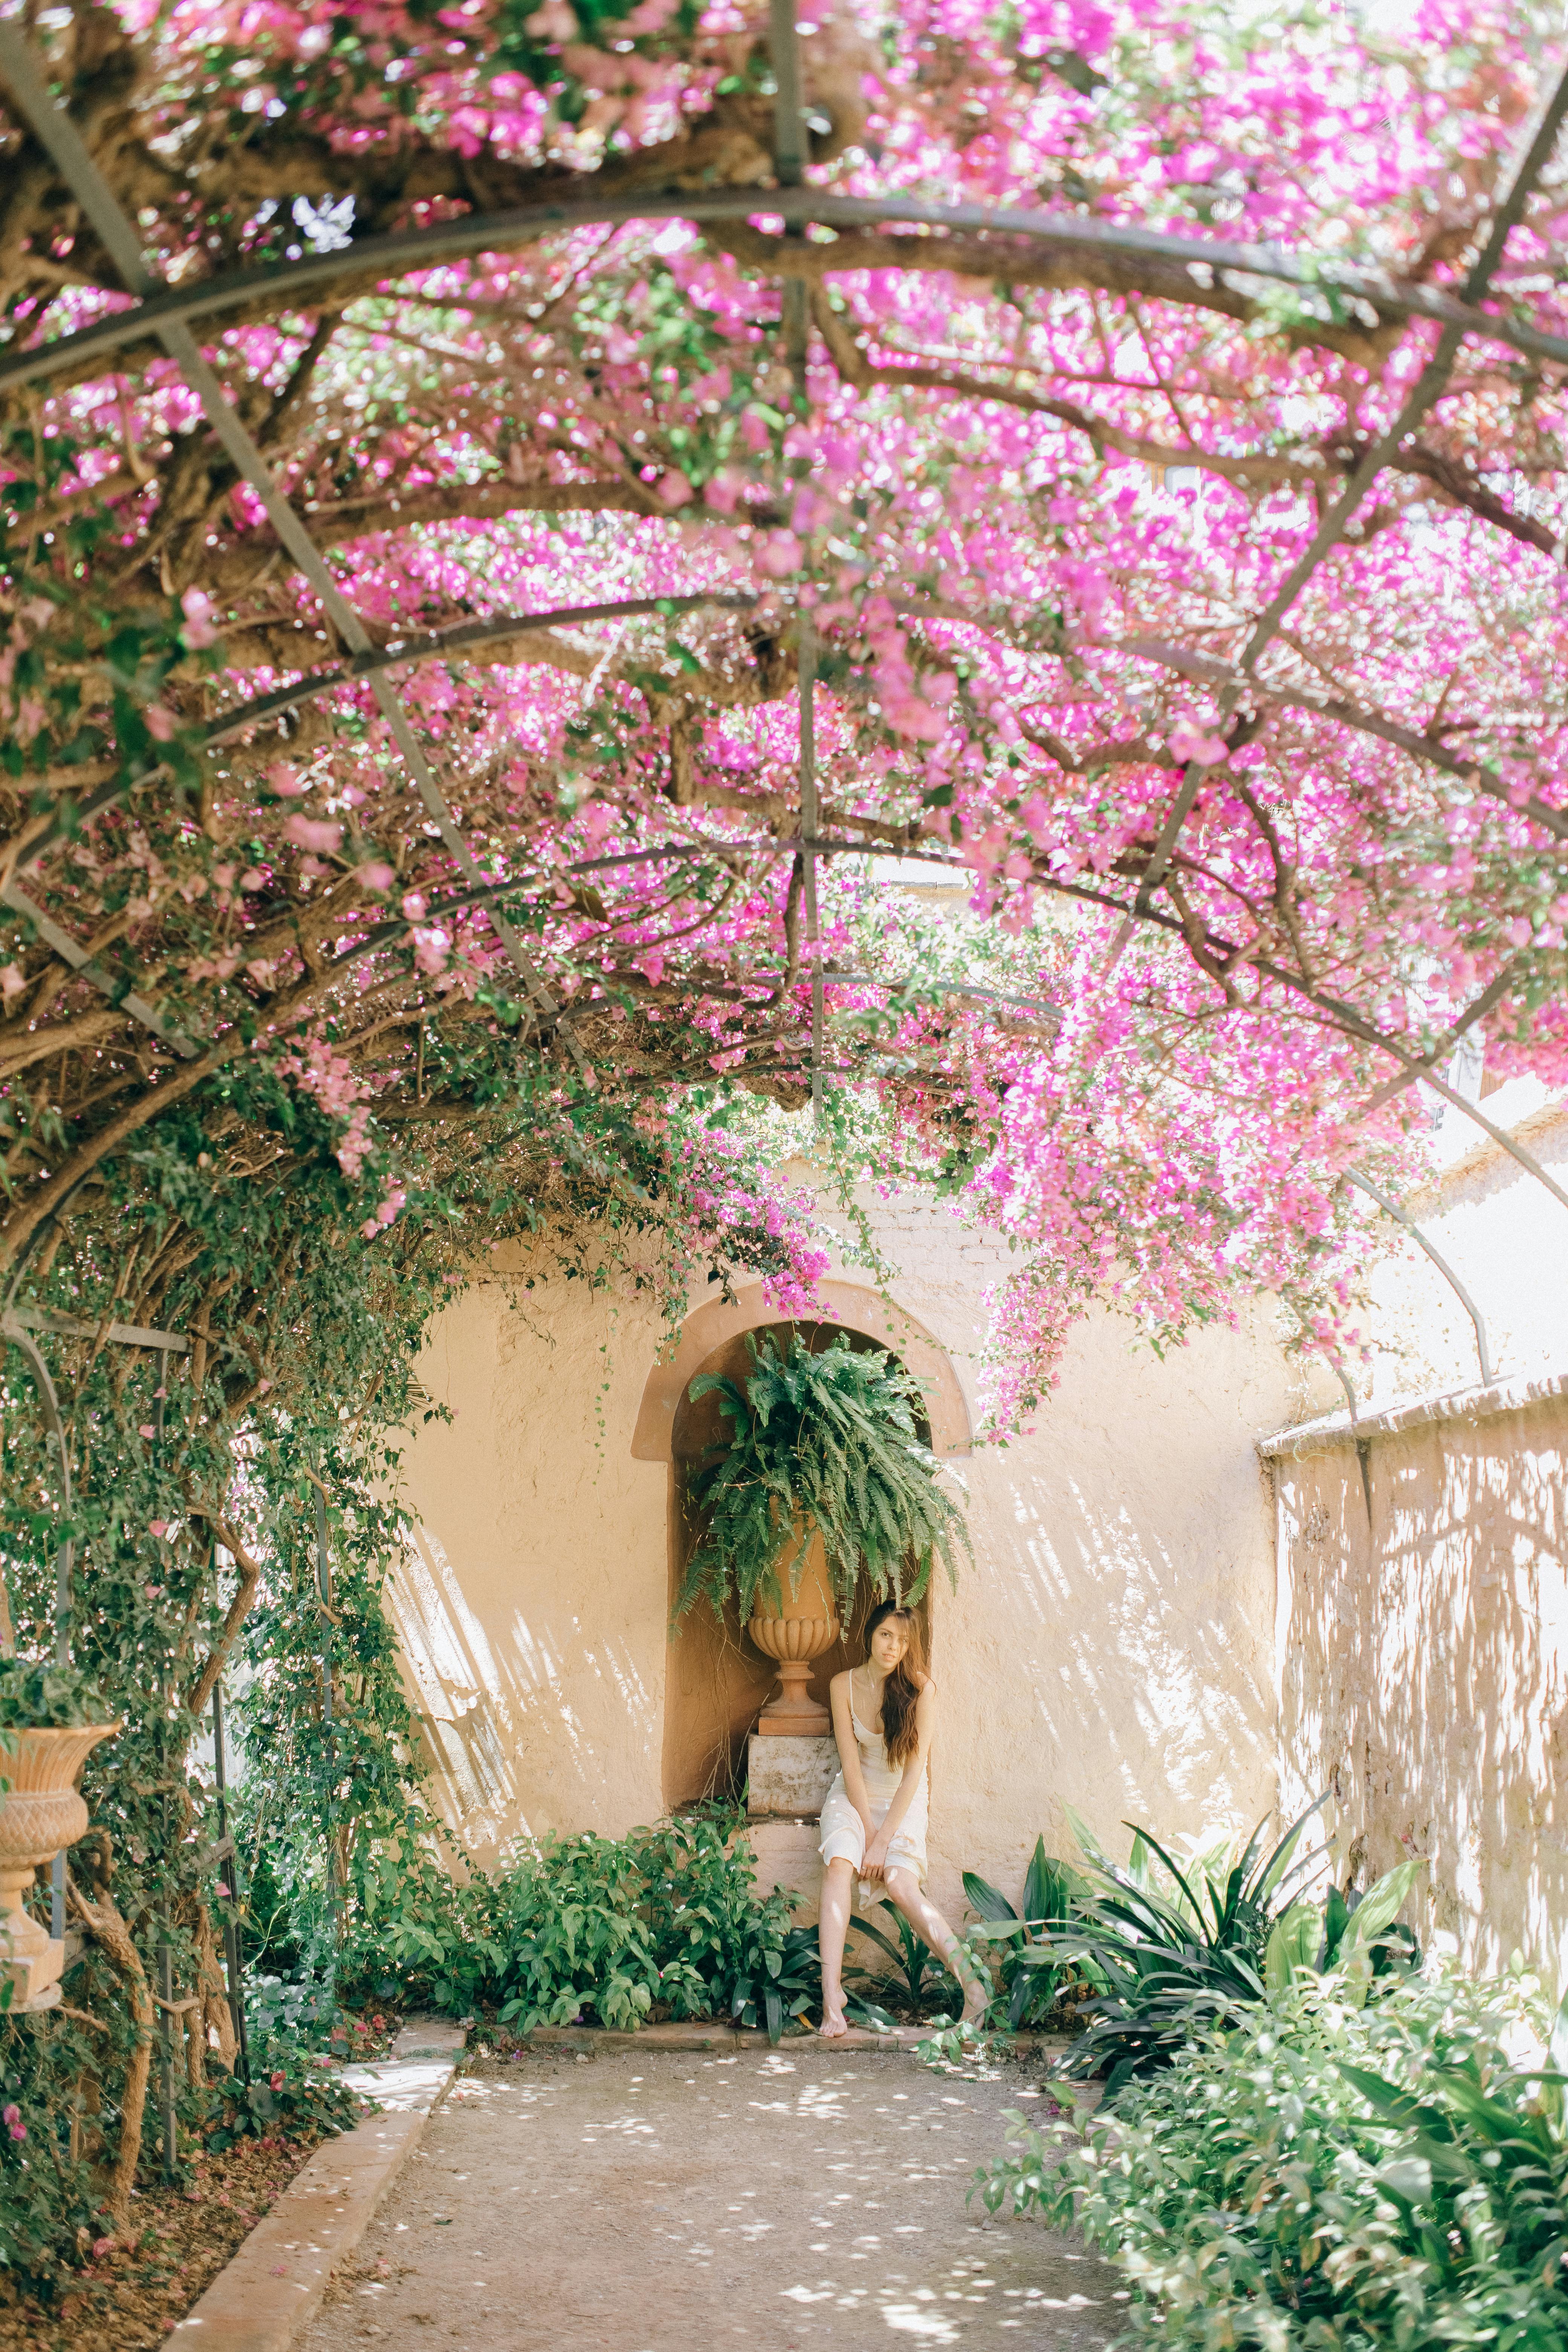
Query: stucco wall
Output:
(1423,1640)
(1424,1662)
(1111,1647)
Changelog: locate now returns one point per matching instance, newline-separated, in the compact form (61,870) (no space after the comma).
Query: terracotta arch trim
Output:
(856,1308)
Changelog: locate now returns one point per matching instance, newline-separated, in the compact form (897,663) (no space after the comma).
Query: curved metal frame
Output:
(398,252)
(1402,1217)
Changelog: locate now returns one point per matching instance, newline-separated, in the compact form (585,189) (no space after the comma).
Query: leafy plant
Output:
(1357,1934)
(1032,1973)
(823,1444)
(1322,2173)
(1172,1956)
(36,1693)
(293,2091)
(667,1918)
(913,1959)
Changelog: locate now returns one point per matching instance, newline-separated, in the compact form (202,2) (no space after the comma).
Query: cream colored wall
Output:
(1112,1648)
(1423,1642)
(531,1609)
(1505,1237)
(1424,1663)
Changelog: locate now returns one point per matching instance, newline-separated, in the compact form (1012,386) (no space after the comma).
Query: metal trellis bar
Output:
(230,1931)
(324,1585)
(808,822)
(405,252)
(87,968)
(1400,1217)
(59,135)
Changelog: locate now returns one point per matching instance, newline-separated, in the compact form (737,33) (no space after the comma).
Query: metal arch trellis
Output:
(60,136)
(165,314)
(401,252)
(1364,1183)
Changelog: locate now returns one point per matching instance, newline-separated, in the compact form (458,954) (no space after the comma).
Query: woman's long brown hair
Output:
(900,1732)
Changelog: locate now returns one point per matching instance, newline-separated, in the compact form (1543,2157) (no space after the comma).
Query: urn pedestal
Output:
(40,1815)
(805,1627)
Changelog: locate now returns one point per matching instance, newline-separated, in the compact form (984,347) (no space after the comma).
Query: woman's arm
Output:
(848,1749)
(904,1795)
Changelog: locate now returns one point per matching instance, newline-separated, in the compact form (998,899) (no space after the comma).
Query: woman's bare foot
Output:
(833,2021)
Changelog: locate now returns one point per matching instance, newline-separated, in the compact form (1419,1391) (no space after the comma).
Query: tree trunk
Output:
(104,1924)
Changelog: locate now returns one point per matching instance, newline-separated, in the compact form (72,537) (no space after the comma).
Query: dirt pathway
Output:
(663,2201)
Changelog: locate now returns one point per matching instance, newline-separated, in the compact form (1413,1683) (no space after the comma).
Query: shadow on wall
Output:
(1425,1666)
(1111,1646)
(508,1747)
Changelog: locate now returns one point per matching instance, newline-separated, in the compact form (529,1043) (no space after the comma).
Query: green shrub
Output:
(1177,1946)
(292,2093)
(36,1693)
(665,1917)
(913,1979)
(664,1922)
(1330,2172)
(1022,1946)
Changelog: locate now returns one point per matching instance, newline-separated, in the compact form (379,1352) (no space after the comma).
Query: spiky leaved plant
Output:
(823,1443)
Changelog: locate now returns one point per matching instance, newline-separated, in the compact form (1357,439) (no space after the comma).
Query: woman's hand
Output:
(876,1862)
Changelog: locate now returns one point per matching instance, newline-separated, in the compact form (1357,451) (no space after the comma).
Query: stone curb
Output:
(273,2287)
(589,2039)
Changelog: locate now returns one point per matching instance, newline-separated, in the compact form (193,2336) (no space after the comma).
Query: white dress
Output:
(844,1833)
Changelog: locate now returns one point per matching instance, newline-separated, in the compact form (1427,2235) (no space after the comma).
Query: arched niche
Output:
(716,1682)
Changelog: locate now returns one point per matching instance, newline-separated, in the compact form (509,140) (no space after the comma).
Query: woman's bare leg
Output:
(833,1927)
(928,1922)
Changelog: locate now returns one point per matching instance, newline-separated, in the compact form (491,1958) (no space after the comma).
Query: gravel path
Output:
(664,2202)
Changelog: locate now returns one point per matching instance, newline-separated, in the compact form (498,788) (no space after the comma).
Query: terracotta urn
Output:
(40,1815)
(805,1628)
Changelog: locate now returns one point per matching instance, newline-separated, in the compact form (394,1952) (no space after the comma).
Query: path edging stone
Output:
(586,2040)
(273,2287)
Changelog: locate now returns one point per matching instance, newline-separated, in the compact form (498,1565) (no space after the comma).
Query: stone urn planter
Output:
(40,1815)
(805,1627)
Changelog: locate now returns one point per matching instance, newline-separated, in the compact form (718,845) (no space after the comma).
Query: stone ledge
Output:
(272,2288)
(591,2041)
(1417,1413)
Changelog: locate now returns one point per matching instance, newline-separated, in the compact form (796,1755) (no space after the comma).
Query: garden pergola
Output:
(496,882)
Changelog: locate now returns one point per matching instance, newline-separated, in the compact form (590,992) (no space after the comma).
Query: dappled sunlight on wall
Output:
(1424,1672)
(1110,1649)
(1140,1666)
(529,1607)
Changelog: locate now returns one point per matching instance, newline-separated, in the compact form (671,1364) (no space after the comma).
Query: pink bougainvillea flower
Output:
(1190,742)
(159,1527)
(313,833)
(198,631)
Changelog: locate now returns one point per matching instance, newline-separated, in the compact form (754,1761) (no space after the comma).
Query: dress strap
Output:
(854,1717)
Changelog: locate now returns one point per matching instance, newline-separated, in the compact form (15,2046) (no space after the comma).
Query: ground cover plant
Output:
(1199,599)
(1147,1951)
(667,1922)
(1033,1974)
(1331,2170)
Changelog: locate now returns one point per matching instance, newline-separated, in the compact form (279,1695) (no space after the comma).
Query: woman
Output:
(874,1819)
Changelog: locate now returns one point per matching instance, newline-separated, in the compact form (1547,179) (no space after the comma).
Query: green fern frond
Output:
(822,1444)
